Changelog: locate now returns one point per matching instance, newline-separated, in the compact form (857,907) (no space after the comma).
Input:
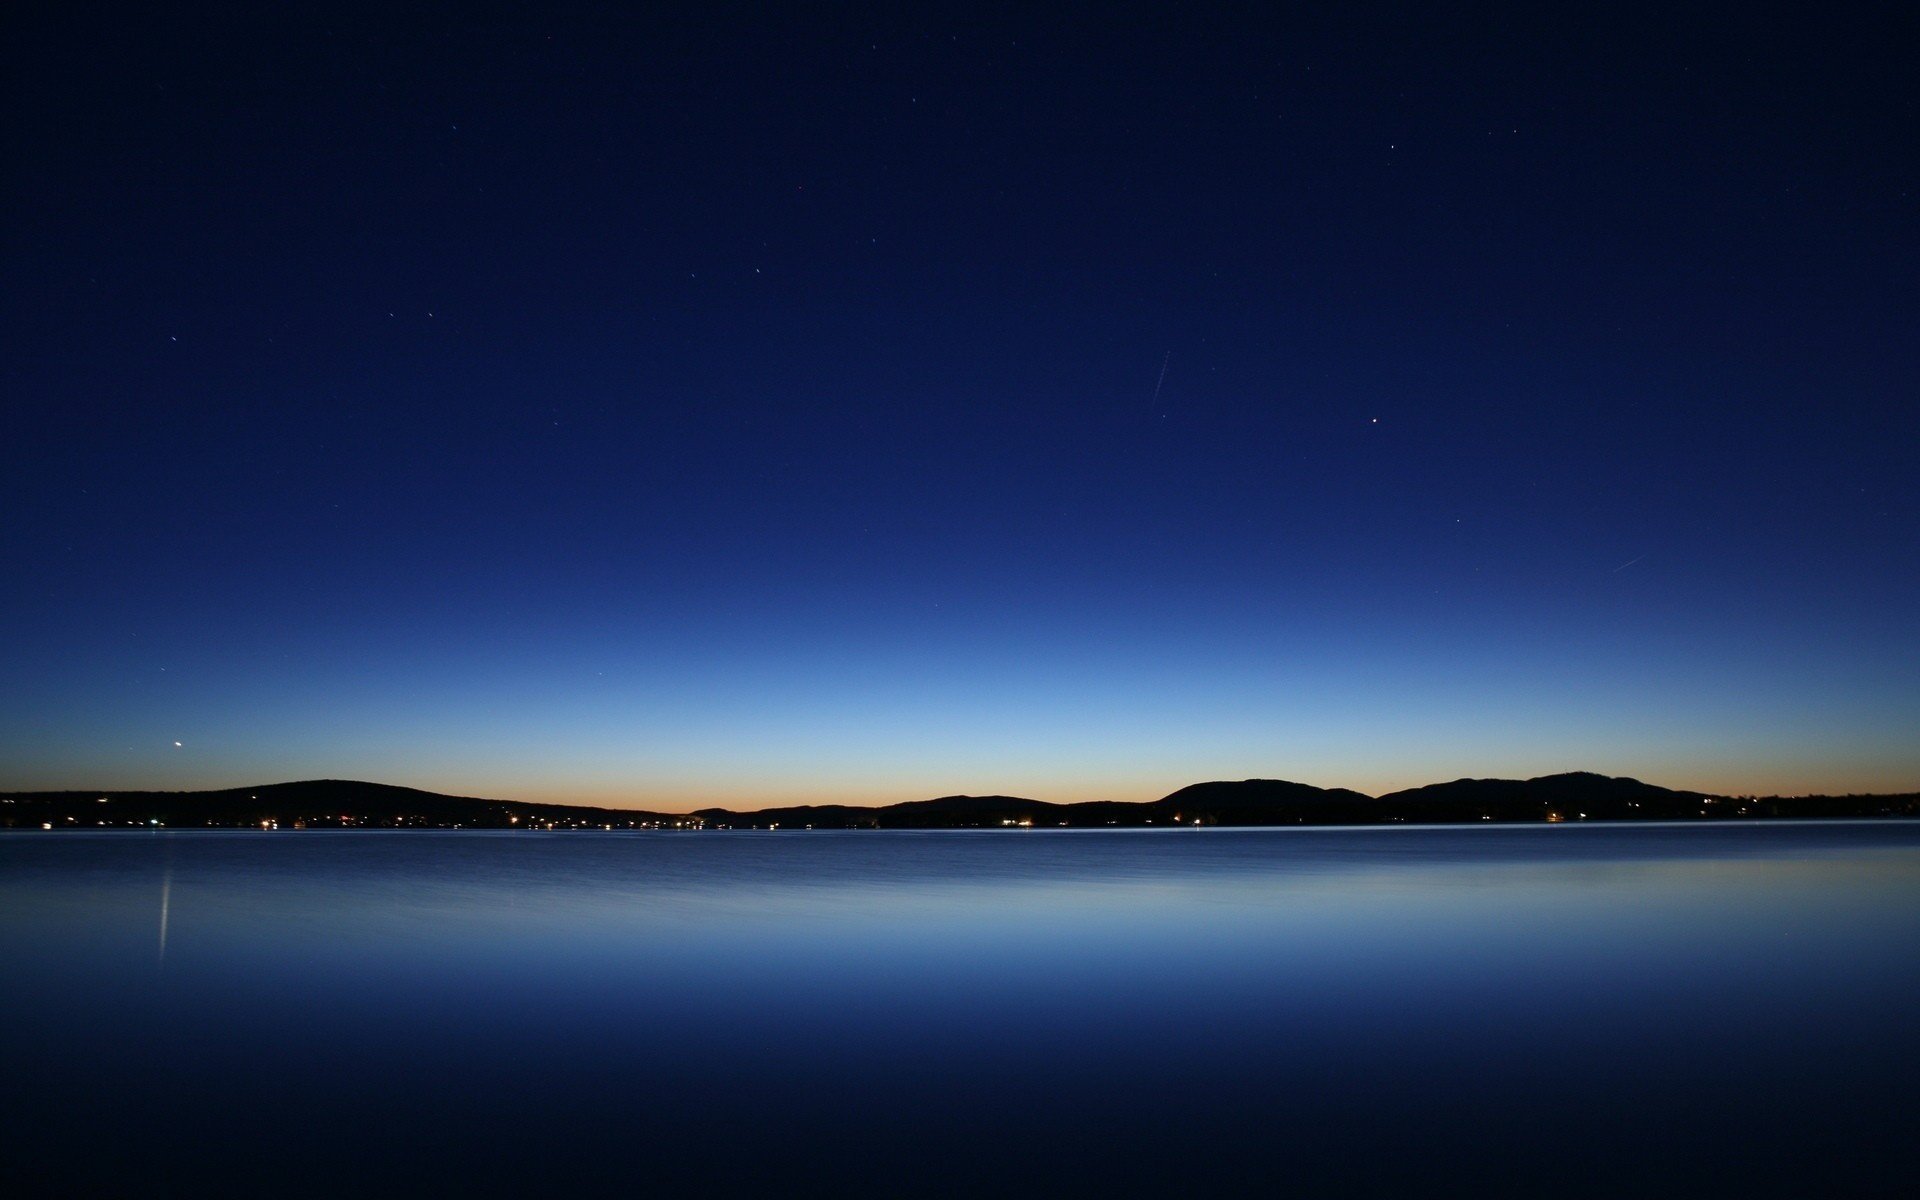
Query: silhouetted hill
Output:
(1576,795)
(944,812)
(793,816)
(312,804)
(967,804)
(1262,802)
(966,811)
(352,804)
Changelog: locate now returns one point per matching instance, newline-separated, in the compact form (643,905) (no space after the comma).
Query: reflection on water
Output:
(166,895)
(1524,1011)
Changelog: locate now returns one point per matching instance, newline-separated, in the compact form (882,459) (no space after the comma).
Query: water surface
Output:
(1569,1010)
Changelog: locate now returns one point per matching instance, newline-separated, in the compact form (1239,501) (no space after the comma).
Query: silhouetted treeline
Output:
(312,804)
(1577,796)
(347,804)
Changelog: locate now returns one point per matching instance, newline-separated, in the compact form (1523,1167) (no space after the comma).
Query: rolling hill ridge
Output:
(353,804)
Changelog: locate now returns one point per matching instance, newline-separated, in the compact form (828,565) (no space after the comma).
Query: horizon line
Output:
(917,799)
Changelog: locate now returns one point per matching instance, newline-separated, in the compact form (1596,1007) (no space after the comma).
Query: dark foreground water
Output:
(1550,1011)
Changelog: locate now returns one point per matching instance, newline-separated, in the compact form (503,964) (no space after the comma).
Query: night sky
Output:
(663,408)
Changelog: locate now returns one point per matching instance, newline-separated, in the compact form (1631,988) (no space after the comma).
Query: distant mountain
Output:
(309,804)
(1576,795)
(967,804)
(793,816)
(967,810)
(944,812)
(1262,802)
(352,804)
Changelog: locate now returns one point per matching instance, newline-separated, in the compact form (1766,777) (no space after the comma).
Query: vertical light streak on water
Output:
(166,896)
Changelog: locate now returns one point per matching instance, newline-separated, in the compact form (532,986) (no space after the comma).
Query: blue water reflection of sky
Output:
(1380,1001)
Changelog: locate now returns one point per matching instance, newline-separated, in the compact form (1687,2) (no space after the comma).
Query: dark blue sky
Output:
(561,402)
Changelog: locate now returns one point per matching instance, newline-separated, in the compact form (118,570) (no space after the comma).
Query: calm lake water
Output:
(1570,1010)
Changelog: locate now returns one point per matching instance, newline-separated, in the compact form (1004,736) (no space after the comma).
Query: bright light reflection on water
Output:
(1526,1011)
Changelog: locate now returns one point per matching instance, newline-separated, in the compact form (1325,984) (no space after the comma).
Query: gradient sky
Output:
(709,405)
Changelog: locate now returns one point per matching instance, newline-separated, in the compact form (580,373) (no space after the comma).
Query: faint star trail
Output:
(1163,376)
